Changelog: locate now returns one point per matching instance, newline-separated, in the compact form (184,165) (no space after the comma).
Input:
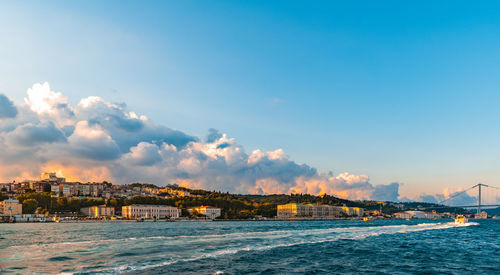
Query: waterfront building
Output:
(10,207)
(295,210)
(353,211)
(415,215)
(432,215)
(98,211)
(482,215)
(209,211)
(402,215)
(150,211)
(30,218)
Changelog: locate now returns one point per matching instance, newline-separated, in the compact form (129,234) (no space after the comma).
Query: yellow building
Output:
(295,210)
(51,177)
(150,211)
(98,211)
(173,192)
(10,207)
(353,211)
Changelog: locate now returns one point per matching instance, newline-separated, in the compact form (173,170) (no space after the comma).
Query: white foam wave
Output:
(343,233)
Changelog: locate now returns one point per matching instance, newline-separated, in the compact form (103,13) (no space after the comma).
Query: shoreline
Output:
(217,220)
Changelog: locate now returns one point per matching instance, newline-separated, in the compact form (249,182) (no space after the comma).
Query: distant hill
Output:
(493,211)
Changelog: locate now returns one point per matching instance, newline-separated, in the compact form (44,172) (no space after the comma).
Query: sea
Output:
(252,247)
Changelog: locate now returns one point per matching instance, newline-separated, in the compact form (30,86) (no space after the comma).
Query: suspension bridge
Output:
(487,196)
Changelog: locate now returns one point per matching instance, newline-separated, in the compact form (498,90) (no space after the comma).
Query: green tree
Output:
(62,204)
(74,204)
(29,206)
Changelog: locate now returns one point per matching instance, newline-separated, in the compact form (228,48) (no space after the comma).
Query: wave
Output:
(353,233)
(242,235)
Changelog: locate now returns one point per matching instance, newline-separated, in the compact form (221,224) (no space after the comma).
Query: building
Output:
(83,190)
(482,215)
(10,207)
(30,218)
(68,189)
(295,210)
(5,186)
(413,215)
(172,191)
(209,211)
(40,186)
(54,188)
(146,211)
(402,215)
(51,177)
(96,189)
(353,211)
(98,211)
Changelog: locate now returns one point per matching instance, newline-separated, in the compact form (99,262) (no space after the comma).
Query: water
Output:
(267,247)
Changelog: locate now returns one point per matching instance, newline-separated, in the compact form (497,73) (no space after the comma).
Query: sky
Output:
(384,94)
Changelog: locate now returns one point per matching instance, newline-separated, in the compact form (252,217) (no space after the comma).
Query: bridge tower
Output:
(479,199)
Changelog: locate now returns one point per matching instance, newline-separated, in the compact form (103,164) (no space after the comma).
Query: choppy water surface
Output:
(267,247)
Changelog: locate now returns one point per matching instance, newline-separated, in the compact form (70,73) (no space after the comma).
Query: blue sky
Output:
(400,91)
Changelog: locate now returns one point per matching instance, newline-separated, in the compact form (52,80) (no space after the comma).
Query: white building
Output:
(98,211)
(152,211)
(413,215)
(296,210)
(55,188)
(209,211)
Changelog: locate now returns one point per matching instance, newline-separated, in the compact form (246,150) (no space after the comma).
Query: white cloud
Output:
(107,140)
(92,142)
(49,105)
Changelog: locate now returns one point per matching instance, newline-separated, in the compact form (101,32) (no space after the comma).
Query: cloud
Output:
(92,142)
(30,134)
(7,108)
(213,135)
(389,192)
(101,140)
(449,197)
(127,128)
(144,154)
(49,105)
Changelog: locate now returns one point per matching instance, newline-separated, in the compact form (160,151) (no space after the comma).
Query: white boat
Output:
(461,219)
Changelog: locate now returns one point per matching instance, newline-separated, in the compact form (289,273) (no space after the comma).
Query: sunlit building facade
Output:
(10,207)
(147,211)
(209,211)
(98,211)
(295,210)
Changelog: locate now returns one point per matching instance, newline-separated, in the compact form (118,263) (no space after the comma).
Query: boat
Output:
(461,219)
(370,218)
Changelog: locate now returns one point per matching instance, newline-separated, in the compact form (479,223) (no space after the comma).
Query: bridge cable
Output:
(458,194)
